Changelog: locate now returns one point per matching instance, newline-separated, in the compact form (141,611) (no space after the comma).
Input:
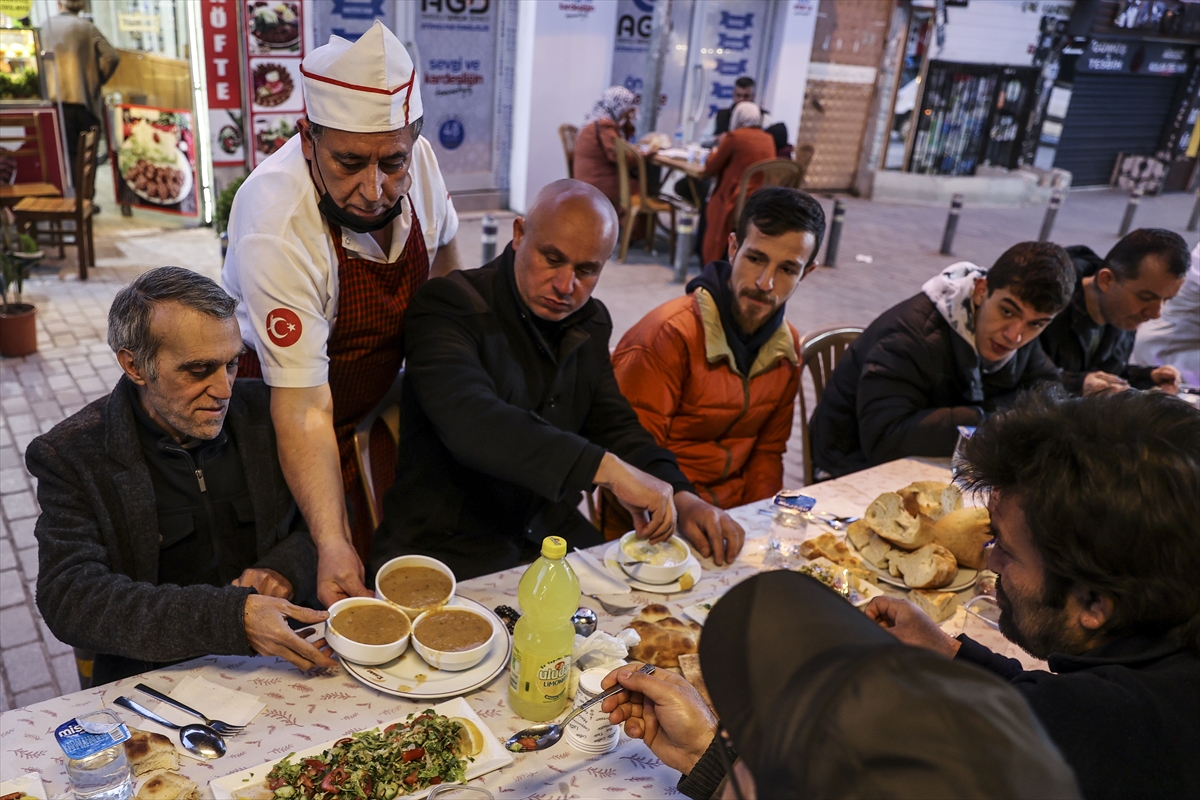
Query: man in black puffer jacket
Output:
(941,359)
(1091,340)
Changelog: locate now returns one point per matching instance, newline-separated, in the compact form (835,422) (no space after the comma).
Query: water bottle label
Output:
(90,734)
(552,677)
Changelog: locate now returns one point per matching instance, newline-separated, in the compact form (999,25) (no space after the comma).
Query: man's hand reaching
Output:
(1167,378)
(709,529)
(649,500)
(340,572)
(269,634)
(664,711)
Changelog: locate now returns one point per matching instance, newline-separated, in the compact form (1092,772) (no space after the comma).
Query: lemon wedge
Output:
(686,582)
(470,738)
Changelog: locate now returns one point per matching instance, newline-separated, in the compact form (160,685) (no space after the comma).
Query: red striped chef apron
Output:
(366,350)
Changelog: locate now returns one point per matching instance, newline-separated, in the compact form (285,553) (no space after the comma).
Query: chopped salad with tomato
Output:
(404,758)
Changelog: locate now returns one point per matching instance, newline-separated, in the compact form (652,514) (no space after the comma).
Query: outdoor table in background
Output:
(302,710)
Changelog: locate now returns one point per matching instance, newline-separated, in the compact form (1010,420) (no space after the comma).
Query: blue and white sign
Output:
(350,19)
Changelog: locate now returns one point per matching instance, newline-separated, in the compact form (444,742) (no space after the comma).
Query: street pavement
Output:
(886,253)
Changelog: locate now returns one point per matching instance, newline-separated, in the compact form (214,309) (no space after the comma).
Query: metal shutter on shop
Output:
(1111,114)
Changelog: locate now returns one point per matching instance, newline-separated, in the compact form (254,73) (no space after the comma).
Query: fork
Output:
(615,610)
(223,728)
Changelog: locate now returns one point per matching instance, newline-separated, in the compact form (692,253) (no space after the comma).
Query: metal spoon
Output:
(547,734)
(613,608)
(199,740)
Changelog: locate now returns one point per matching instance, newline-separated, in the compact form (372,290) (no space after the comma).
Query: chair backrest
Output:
(771,172)
(26,134)
(623,152)
(85,169)
(820,352)
(387,411)
(568,133)
(804,156)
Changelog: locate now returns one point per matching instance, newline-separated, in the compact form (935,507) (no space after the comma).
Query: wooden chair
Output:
(59,210)
(633,206)
(386,411)
(568,133)
(30,145)
(771,172)
(820,352)
(804,156)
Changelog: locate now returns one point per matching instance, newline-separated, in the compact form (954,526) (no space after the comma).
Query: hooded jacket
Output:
(913,376)
(1064,339)
(728,429)
(500,431)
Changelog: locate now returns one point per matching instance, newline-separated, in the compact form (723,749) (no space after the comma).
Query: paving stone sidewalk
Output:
(74,365)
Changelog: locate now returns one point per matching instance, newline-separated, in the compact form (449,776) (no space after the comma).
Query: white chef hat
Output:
(368,86)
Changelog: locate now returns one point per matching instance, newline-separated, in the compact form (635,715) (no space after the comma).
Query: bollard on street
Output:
(1051,212)
(1194,222)
(683,243)
(1135,197)
(835,233)
(956,204)
(488,238)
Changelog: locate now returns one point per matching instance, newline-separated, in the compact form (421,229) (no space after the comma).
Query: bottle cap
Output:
(554,547)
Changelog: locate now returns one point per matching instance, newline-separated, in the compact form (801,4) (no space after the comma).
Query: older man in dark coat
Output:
(510,408)
(167,530)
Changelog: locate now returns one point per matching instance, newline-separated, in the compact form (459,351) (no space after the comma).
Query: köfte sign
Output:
(219,23)
(1135,58)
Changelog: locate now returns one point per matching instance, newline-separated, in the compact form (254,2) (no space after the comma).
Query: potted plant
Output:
(223,209)
(18,320)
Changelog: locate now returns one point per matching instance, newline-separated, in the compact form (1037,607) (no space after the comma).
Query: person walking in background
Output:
(85,61)
(745,144)
(595,153)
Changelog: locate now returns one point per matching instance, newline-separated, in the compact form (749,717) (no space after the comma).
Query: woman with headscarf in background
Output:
(595,153)
(746,143)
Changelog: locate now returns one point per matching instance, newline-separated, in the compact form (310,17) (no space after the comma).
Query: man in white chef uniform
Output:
(329,238)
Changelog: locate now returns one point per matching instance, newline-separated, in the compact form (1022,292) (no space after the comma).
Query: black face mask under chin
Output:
(344,219)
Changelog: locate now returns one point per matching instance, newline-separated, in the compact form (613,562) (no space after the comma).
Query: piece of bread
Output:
(877,551)
(169,786)
(148,751)
(689,665)
(930,567)
(964,532)
(859,533)
(830,547)
(887,517)
(934,499)
(663,637)
(940,606)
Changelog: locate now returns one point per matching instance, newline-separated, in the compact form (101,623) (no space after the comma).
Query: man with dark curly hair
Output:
(1094,504)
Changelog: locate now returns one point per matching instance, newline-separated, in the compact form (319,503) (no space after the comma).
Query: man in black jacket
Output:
(510,408)
(1091,340)
(941,359)
(167,530)
(1094,504)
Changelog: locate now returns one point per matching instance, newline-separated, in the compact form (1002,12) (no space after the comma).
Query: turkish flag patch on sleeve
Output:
(283,327)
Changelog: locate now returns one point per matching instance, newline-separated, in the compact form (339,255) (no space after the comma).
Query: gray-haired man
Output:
(167,530)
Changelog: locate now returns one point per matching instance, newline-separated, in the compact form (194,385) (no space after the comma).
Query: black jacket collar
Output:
(1128,651)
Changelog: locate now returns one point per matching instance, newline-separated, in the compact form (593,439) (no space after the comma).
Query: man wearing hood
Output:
(329,239)
(946,357)
(1091,341)
(713,374)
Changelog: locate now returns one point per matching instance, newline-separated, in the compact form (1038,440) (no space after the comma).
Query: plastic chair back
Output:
(820,352)
(569,133)
(771,172)
(388,412)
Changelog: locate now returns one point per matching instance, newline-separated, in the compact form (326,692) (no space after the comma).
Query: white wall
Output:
(997,31)
(564,63)
(788,71)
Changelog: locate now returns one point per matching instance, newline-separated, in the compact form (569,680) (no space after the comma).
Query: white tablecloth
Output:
(303,710)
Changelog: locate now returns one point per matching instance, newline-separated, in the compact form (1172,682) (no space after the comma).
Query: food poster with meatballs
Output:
(154,159)
(274,49)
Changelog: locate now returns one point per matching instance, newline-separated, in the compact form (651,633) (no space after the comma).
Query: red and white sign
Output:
(222,61)
(283,327)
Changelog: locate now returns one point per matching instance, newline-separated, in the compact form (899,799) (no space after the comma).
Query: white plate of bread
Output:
(922,537)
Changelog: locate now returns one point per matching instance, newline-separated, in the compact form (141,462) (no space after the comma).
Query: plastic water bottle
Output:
(544,637)
(96,764)
(788,526)
(679,136)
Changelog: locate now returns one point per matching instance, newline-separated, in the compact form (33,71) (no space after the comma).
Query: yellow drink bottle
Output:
(544,637)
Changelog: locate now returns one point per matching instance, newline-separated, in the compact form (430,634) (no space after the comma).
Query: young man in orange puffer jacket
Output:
(713,374)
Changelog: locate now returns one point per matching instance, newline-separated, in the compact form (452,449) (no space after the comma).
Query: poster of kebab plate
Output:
(154,159)
(274,31)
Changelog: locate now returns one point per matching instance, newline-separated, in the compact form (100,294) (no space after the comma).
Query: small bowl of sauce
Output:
(367,631)
(453,638)
(415,583)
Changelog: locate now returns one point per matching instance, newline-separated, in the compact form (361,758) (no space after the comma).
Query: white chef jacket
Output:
(281,257)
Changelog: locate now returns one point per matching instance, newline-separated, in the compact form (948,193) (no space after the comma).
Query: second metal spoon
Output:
(200,740)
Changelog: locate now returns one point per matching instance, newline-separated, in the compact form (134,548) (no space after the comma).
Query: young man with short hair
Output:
(1090,342)
(713,374)
(943,358)
(1094,503)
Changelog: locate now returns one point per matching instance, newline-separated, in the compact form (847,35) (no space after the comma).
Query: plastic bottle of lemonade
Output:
(544,637)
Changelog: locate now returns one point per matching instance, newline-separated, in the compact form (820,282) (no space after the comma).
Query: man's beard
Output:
(1034,625)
